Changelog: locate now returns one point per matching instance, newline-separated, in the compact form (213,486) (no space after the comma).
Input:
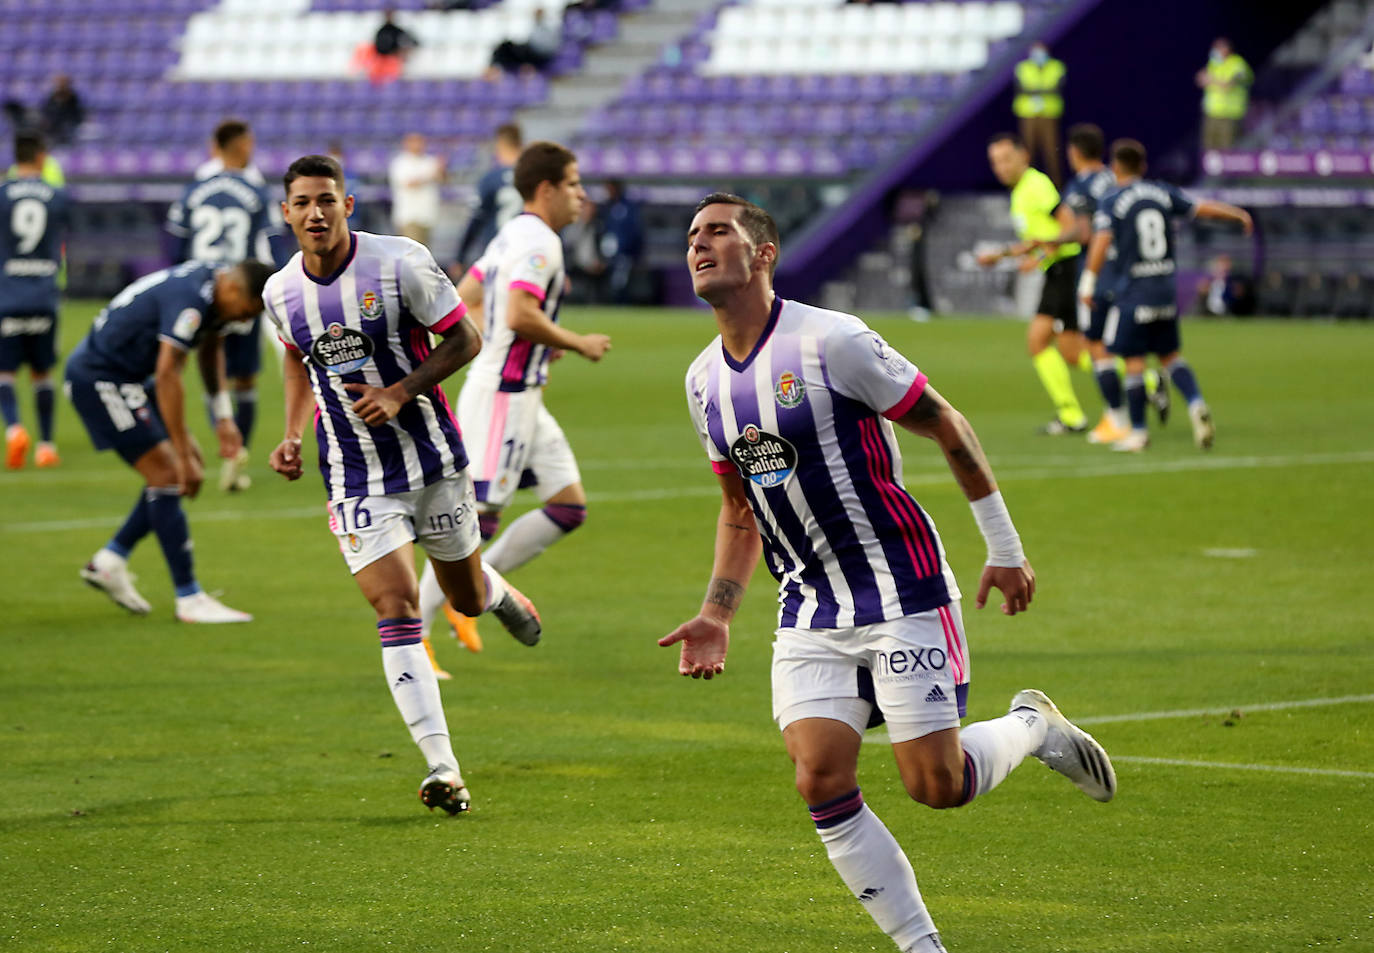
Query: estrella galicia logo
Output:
(341,350)
(789,390)
(370,305)
(764,459)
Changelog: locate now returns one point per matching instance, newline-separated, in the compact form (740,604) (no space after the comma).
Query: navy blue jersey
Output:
(174,305)
(1082,194)
(497,203)
(224,219)
(1139,216)
(33,222)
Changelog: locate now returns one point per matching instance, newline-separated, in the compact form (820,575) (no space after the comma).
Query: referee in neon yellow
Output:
(1034,201)
(1225,82)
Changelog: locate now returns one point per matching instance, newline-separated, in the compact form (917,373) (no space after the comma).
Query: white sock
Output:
(431,598)
(994,747)
(526,538)
(871,863)
(416,693)
(496,586)
(927,944)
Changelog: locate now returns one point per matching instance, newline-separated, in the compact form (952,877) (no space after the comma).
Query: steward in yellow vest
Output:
(1038,105)
(1225,83)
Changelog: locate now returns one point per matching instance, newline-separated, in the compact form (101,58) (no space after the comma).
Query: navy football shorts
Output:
(28,339)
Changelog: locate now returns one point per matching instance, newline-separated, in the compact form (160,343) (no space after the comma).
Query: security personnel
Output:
(1039,104)
(1225,83)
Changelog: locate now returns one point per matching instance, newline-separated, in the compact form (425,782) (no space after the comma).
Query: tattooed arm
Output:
(705,638)
(1007,569)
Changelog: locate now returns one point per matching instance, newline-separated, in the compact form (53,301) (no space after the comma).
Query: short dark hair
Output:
(1014,138)
(1129,155)
(28,146)
(541,162)
(311,166)
(1087,139)
(754,220)
(254,275)
(509,133)
(229,130)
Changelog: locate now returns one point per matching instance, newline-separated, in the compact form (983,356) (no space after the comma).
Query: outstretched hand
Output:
(1016,583)
(704,642)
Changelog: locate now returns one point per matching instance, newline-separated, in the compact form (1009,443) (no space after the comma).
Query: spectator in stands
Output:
(1225,82)
(1038,105)
(1214,290)
(1352,297)
(62,111)
(415,177)
(533,55)
(621,226)
(384,58)
(497,201)
(582,257)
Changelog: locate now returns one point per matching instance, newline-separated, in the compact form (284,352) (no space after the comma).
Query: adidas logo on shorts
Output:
(935,695)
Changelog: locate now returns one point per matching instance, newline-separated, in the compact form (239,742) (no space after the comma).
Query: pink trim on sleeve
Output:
(450,319)
(531,287)
(288,344)
(477,273)
(722,466)
(913,394)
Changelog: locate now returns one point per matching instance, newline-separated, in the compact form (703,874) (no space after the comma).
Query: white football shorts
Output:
(512,441)
(915,668)
(442,518)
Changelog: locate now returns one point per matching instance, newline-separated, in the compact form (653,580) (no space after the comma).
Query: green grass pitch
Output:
(251,788)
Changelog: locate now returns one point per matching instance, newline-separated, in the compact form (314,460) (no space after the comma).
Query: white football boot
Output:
(233,474)
(203,607)
(1134,442)
(444,788)
(1069,749)
(109,573)
(1204,431)
(519,616)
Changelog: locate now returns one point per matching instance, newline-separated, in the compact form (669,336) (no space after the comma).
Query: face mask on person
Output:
(1217,55)
(1040,56)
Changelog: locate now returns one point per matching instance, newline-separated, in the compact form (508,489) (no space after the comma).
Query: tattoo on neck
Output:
(725,593)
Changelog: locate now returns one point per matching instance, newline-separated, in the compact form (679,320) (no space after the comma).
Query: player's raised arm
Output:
(1211,208)
(706,637)
(1006,569)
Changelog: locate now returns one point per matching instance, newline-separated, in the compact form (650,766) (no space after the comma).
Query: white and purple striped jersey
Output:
(528,255)
(802,419)
(369,323)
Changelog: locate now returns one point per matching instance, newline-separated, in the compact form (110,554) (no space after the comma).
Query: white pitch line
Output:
(708,489)
(1243,709)
(1226,766)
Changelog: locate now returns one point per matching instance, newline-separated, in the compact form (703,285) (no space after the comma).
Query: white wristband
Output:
(1087,283)
(221,406)
(994,522)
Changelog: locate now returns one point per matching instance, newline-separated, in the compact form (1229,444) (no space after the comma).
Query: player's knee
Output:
(396,605)
(818,783)
(566,516)
(469,604)
(936,785)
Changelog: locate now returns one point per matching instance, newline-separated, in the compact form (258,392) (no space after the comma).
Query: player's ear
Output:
(348,205)
(766,254)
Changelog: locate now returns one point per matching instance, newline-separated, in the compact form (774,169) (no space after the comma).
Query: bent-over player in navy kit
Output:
(794,406)
(148,330)
(33,219)
(1136,218)
(224,218)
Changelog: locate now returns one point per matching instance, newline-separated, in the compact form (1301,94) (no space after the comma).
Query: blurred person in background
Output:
(415,177)
(62,111)
(34,216)
(531,56)
(1225,83)
(1038,105)
(497,200)
(620,224)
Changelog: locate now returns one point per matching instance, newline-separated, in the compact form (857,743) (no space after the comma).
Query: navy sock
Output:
(245,412)
(836,810)
(1135,400)
(136,526)
(43,397)
(1182,376)
(9,407)
(1108,382)
(168,521)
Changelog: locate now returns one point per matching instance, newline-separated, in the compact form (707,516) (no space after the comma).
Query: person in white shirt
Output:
(415,177)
